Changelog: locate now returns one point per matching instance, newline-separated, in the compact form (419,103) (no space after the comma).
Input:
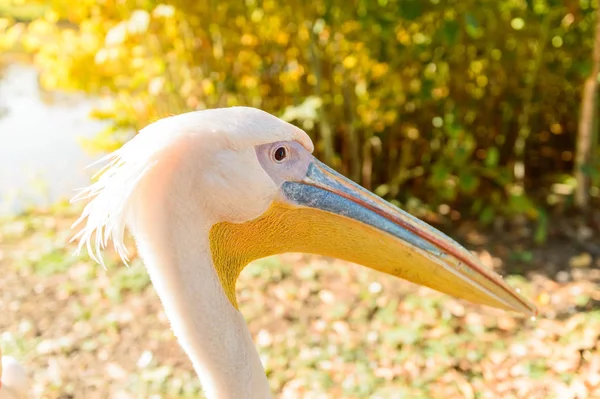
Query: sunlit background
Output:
(477,116)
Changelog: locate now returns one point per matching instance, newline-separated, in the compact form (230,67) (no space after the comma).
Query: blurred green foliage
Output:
(466,105)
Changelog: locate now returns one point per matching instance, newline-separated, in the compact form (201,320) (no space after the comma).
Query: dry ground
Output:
(324,328)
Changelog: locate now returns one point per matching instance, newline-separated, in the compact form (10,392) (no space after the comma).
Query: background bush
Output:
(468,106)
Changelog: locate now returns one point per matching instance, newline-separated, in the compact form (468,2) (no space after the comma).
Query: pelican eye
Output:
(280,154)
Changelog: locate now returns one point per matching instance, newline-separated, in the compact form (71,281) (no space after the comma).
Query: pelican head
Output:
(207,192)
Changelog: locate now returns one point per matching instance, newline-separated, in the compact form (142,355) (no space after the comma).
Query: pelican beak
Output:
(325,213)
(356,225)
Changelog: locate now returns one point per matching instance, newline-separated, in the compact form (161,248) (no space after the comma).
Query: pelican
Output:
(206,192)
(13,379)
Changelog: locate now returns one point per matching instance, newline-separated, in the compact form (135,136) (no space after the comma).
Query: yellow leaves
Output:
(249,40)
(379,69)
(270,5)
(137,63)
(106,54)
(291,77)
(49,81)
(51,16)
(104,142)
(403,36)
(257,15)
(41,27)
(86,40)
(476,67)
(249,82)
(274,22)
(116,35)
(5,23)
(265,89)
(338,100)
(324,34)
(282,38)
(138,51)
(293,72)
(517,23)
(440,92)
(248,58)
(557,41)
(218,50)
(193,102)
(389,117)
(415,85)
(482,80)
(138,22)
(303,33)
(361,88)
(156,85)
(96,27)
(208,87)
(369,115)
(567,20)
(187,88)
(273,54)
(411,132)
(365,114)
(240,21)
(163,11)
(378,126)
(350,62)
(292,53)
(11,35)
(350,27)
(556,128)
(420,38)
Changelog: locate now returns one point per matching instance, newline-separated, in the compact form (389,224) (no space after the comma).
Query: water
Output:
(41,160)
